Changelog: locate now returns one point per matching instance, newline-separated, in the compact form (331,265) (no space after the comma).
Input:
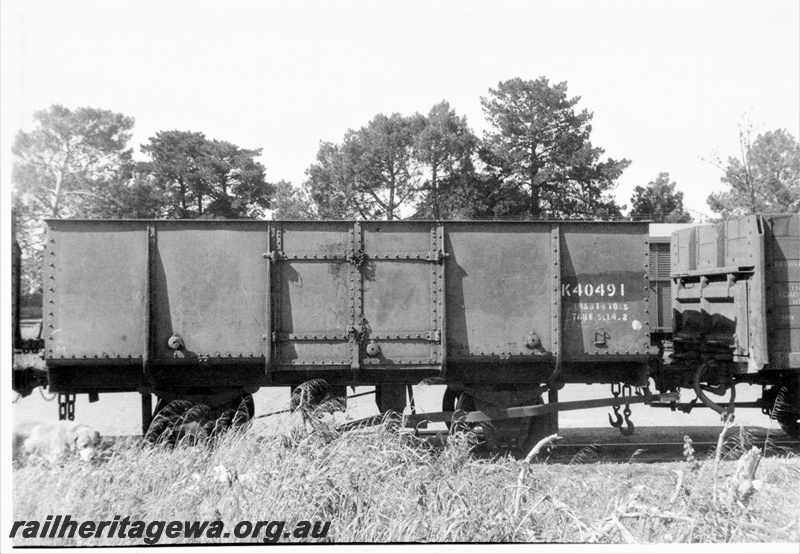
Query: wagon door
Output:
(402,295)
(313,296)
(352,296)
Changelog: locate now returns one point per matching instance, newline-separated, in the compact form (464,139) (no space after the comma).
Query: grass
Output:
(375,485)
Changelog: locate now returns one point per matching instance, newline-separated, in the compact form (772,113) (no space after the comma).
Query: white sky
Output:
(668,81)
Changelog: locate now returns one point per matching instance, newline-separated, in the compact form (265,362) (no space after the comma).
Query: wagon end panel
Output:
(95,293)
(718,290)
(783,291)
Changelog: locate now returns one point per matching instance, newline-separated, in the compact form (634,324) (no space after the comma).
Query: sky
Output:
(669,82)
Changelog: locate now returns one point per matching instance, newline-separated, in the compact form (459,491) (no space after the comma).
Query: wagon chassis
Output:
(499,414)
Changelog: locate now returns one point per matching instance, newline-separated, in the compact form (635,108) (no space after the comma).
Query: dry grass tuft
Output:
(376,485)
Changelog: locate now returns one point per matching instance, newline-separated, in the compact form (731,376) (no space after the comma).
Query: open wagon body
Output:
(500,311)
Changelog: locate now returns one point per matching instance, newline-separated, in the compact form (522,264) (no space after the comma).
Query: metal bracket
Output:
(600,336)
(354,333)
(357,258)
(66,407)
(618,420)
(438,256)
(626,392)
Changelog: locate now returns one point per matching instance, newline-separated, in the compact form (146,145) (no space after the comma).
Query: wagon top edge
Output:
(362,222)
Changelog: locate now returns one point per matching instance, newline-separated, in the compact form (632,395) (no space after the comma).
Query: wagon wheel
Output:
(390,398)
(177,421)
(232,415)
(538,427)
(454,400)
(787,409)
(192,422)
(516,436)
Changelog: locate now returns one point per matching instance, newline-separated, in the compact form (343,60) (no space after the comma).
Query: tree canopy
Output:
(63,168)
(538,161)
(659,201)
(62,165)
(444,144)
(373,173)
(203,177)
(288,202)
(77,164)
(539,149)
(765,178)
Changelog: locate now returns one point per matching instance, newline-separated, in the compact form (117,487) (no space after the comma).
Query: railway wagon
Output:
(736,313)
(500,312)
(212,310)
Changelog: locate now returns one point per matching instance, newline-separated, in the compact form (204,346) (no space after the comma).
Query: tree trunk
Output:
(534,206)
(390,205)
(183,198)
(57,194)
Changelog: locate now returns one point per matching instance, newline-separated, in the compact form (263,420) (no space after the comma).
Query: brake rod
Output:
(494,414)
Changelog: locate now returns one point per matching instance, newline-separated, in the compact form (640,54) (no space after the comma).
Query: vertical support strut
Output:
(149,335)
(437,240)
(356,307)
(268,316)
(149,305)
(147,411)
(276,232)
(556,342)
(552,398)
(557,326)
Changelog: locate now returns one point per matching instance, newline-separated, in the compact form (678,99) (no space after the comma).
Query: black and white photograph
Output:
(436,276)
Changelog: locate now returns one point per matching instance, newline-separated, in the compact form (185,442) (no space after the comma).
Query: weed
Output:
(378,485)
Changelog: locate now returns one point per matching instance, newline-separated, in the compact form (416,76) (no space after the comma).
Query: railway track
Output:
(651,444)
(660,447)
(652,452)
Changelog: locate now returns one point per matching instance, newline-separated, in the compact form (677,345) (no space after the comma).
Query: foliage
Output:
(61,169)
(133,196)
(373,173)
(61,165)
(540,150)
(331,185)
(659,201)
(445,145)
(207,178)
(764,179)
(376,485)
(288,202)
